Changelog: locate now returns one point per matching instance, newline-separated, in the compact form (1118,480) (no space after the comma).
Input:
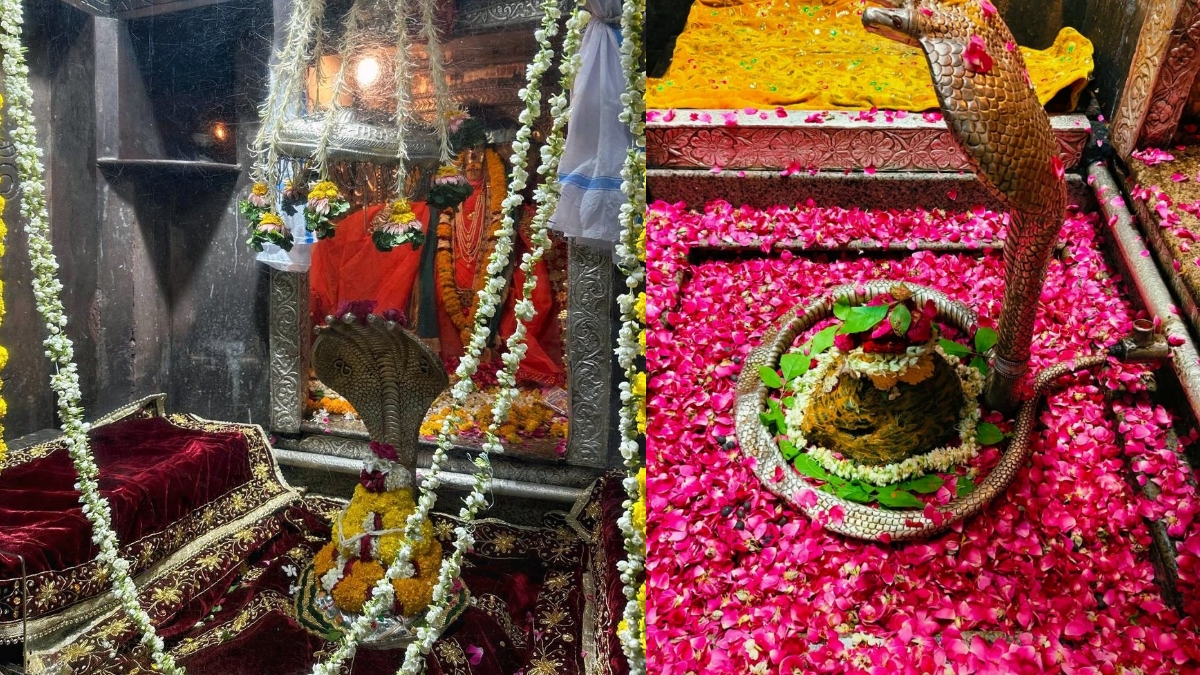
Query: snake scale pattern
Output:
(994,115)
(1005,133)
(388,374)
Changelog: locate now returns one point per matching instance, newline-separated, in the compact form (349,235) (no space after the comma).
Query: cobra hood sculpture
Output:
(993,112)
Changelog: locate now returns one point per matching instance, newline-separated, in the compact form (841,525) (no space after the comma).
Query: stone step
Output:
(823,141)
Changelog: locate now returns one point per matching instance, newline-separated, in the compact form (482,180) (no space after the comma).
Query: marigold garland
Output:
(464,319)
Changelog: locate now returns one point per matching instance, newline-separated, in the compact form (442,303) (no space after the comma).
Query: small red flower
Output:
(978,59)
(384,451)
(1056,165)
(988,8)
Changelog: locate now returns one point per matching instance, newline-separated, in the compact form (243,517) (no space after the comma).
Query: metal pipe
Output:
(1148,281)
(450,479)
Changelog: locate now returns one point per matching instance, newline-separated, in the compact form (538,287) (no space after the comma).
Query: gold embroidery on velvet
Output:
(450,653)
(495,607)
(264,603)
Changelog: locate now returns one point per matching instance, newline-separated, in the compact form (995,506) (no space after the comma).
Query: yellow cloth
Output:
(816,55)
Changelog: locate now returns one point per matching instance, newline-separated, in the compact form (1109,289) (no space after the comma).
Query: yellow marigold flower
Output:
(3,357)
(639,307)
(642,340)
(270,220)
(413,594)
(638,514)
(3,202)
(323,190)
(259,189)
(639,385)
(325,559)
(402,212)
(641,418)
(641,245)
(447,170)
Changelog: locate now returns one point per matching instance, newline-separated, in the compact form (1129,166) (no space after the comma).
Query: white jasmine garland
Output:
(632,220)
(46,290)
(490,298)
(824,376)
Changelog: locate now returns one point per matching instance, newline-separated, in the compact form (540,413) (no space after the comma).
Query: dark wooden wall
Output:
(161,291)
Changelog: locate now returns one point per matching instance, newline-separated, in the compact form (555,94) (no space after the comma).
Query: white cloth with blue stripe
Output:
(597,140)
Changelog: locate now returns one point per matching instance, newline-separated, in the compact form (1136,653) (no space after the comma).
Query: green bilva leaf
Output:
(985,338)
(899,499)
(808,466)
(988,434)
(901,319)
(863,318)
(855,493)
(927,484)
(823,340)
(770,377)
(953,348)
(841,307)
(789,449)
(794,365)
(788,402)
(964,487)
(773,418)
(978,363)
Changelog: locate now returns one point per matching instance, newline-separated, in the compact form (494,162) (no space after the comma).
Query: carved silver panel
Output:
(289,341)
(488,15)
(354,140)
(590,354)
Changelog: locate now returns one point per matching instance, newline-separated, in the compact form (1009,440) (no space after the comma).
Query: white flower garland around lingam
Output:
(632,219)
(47,289)
(825,376)
(490,299)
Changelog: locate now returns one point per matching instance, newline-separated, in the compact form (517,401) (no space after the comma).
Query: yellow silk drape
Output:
(815,55)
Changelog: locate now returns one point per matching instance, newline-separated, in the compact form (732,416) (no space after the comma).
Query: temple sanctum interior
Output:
(605,337)
(321,344)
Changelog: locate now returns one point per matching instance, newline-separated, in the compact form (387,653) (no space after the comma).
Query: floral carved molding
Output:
(915,146)
(1152,69)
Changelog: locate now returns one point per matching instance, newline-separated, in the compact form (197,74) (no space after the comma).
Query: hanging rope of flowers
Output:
(491,297)
(3,351)
(46,290)
(631,255)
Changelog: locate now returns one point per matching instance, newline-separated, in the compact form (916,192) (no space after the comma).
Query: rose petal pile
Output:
(1056,571)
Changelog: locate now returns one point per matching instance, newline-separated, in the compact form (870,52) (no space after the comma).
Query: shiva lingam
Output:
(994,115)
(391,378)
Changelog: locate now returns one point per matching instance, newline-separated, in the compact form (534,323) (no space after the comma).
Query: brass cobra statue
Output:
(994,114)
(388,374)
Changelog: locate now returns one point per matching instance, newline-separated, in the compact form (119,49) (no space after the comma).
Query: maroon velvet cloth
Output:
(152,472)
(238,617)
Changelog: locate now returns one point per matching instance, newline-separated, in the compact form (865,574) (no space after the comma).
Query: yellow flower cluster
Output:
(402,212)
(639,394)
(354,588)
(3,351)
(526,416)
(638,513)
(639,307)
(394,506)
(641,245)
(446,171)
(333,406)
(259,189)
(323,190)
(270,221)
